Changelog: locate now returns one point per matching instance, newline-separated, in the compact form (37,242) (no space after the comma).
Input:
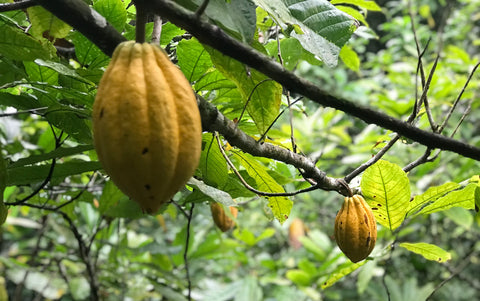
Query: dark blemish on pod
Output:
(101,112)
(147,187)
(366,218)
(368,240)
(145,150)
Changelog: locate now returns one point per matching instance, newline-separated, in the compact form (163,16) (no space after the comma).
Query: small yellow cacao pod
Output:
(146,125)
(221,219)
(295,231)
(355,228)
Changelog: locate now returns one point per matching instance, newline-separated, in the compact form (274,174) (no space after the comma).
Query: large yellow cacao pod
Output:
(355,228)
(221,219)
(146,125)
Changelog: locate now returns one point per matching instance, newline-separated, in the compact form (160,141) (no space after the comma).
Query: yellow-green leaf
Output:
(341,272)
(44,21)
(350,58)
(429,251)
(280,206)
(386,188)
(430,195)
(461,198)
(261,95)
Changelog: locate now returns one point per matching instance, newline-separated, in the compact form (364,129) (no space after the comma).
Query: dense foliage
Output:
(71,234)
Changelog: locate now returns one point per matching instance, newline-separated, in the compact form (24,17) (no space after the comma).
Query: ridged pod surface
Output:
(146,125)
(221,219)
(355,228)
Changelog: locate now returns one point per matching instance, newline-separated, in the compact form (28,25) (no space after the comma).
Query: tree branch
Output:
(94,27)
(87,21)
(16,5)
(215,37)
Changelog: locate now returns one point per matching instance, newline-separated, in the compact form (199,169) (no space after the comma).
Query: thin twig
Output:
(201,9)
(457,100)
(262,193)
(185,254)
(250,98)
(463,265)
(275,120)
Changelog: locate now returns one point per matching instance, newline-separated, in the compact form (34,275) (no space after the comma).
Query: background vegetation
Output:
(71,234)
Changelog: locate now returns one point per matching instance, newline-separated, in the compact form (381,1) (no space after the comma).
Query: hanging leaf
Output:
(341,272)
(193,60)
(280,206)
(429,251)
(44,21)
(213,166)
(386,189)
(217,195)
(261,95)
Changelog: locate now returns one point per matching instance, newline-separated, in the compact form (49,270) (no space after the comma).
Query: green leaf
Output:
(193,60)
(63,69)
(261,95)
(114,11)
(353,12)
(57,153)
(20,102)
(169,31)
(366,4)
(341,272)
(44,21)
(114,203)
(212,166)
(460,216)
(461,198)
(217,195)
(429,251)
(299,277)
(250,290)
(350,58)
(280,206)
(323,29)
(312,247)
(17,45)
(386,188)
(87,53)
(79,288)
(238,18)
(27,175)
(432,194)
(292,52)
(38,73)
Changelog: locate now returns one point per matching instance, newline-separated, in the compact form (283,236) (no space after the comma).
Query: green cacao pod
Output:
(355,228)
(221,219)
(146,125)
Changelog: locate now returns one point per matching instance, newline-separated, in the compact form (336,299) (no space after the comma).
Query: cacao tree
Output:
(302,104)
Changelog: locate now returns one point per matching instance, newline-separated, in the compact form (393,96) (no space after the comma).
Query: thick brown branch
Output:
(215,37)
(16,5)
(82,18)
